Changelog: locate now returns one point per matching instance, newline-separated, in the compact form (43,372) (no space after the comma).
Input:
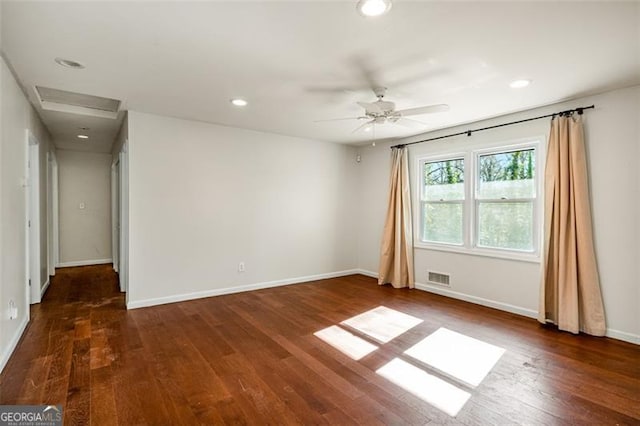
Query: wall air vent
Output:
(438,278)
(77,103)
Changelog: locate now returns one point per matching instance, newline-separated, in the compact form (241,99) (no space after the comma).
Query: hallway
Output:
(66,351)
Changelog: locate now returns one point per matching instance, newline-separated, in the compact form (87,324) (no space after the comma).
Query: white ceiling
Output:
(291,59)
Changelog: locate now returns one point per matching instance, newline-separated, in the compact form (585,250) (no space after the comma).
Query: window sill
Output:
(496,254)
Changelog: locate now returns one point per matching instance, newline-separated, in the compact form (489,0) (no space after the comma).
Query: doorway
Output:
(123,219)
(120,217)
(115,216)
(52,213)
(34,280)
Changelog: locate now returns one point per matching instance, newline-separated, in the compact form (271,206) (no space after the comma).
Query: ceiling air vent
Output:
(77,103)
(438,278)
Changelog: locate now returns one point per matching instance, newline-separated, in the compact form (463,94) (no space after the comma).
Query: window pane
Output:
(443,180)
(443,222)
(506,225)
(507,175)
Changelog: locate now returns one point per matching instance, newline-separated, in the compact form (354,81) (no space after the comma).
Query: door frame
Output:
(115,215)
(52,213)
(32,220)
(123,252)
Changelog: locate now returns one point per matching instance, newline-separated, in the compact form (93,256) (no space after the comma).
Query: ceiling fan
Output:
(381,112)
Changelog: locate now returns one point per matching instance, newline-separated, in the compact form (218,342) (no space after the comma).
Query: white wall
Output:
(85,233)
(205,197)
(17,115)
(613,141)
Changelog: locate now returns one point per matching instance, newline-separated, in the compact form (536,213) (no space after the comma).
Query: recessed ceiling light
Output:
(69,63)
(83,137)
(372,8)
(519,84)
(239,102)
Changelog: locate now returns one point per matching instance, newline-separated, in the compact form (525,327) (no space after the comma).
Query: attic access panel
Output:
(77,103)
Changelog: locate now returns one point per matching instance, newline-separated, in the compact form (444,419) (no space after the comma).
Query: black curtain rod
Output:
(469,132)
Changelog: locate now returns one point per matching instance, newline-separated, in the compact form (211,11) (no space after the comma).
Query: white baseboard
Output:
(530,313)
(368,273)
(478,300)
(84,263)
(230,290)
(6,354)
(467,297)
(44,288)
(623,335)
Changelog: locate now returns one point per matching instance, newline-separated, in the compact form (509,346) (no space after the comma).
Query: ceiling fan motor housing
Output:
(386,106)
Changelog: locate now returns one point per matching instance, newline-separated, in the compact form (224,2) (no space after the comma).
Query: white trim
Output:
(530,313)
(52,213)
(115,245)
(56,213)
(443,291)
(83,263)
(123,221)
(470,201)
(238,289)
(367,273)
(496,254)
(44,288)
(478,300)
(50,264)
(6,354)
(623,335)
(32,221)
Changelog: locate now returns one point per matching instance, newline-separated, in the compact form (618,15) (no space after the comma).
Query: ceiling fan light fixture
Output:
(371,8)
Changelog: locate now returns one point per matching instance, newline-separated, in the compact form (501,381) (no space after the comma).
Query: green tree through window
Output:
(506,189)
(498,204)
(443,197)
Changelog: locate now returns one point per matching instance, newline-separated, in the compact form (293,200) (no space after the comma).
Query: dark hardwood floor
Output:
(253,358)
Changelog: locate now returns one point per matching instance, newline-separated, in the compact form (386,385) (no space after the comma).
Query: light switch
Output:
(81,206)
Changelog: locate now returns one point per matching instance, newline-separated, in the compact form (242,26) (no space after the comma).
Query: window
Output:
(482,201)
(442,201)
(505,200)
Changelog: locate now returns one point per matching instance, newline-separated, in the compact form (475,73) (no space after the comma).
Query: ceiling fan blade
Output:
(364,126)
(364,66)
(341,119)
(343,90)
(409,123)
(371,107)
(423,110)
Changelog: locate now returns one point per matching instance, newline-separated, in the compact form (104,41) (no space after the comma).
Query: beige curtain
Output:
(570,289)
(396,252)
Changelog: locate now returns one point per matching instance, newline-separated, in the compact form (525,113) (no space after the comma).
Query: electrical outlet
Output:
(241,267)
(13,310)
(81,206)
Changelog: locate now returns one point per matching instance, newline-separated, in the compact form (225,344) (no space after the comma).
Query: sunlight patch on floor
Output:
(382,324)
(430,389)
(464,358)
(350,345)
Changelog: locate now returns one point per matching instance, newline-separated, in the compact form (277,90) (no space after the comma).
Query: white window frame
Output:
(470,205)
(421,199)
